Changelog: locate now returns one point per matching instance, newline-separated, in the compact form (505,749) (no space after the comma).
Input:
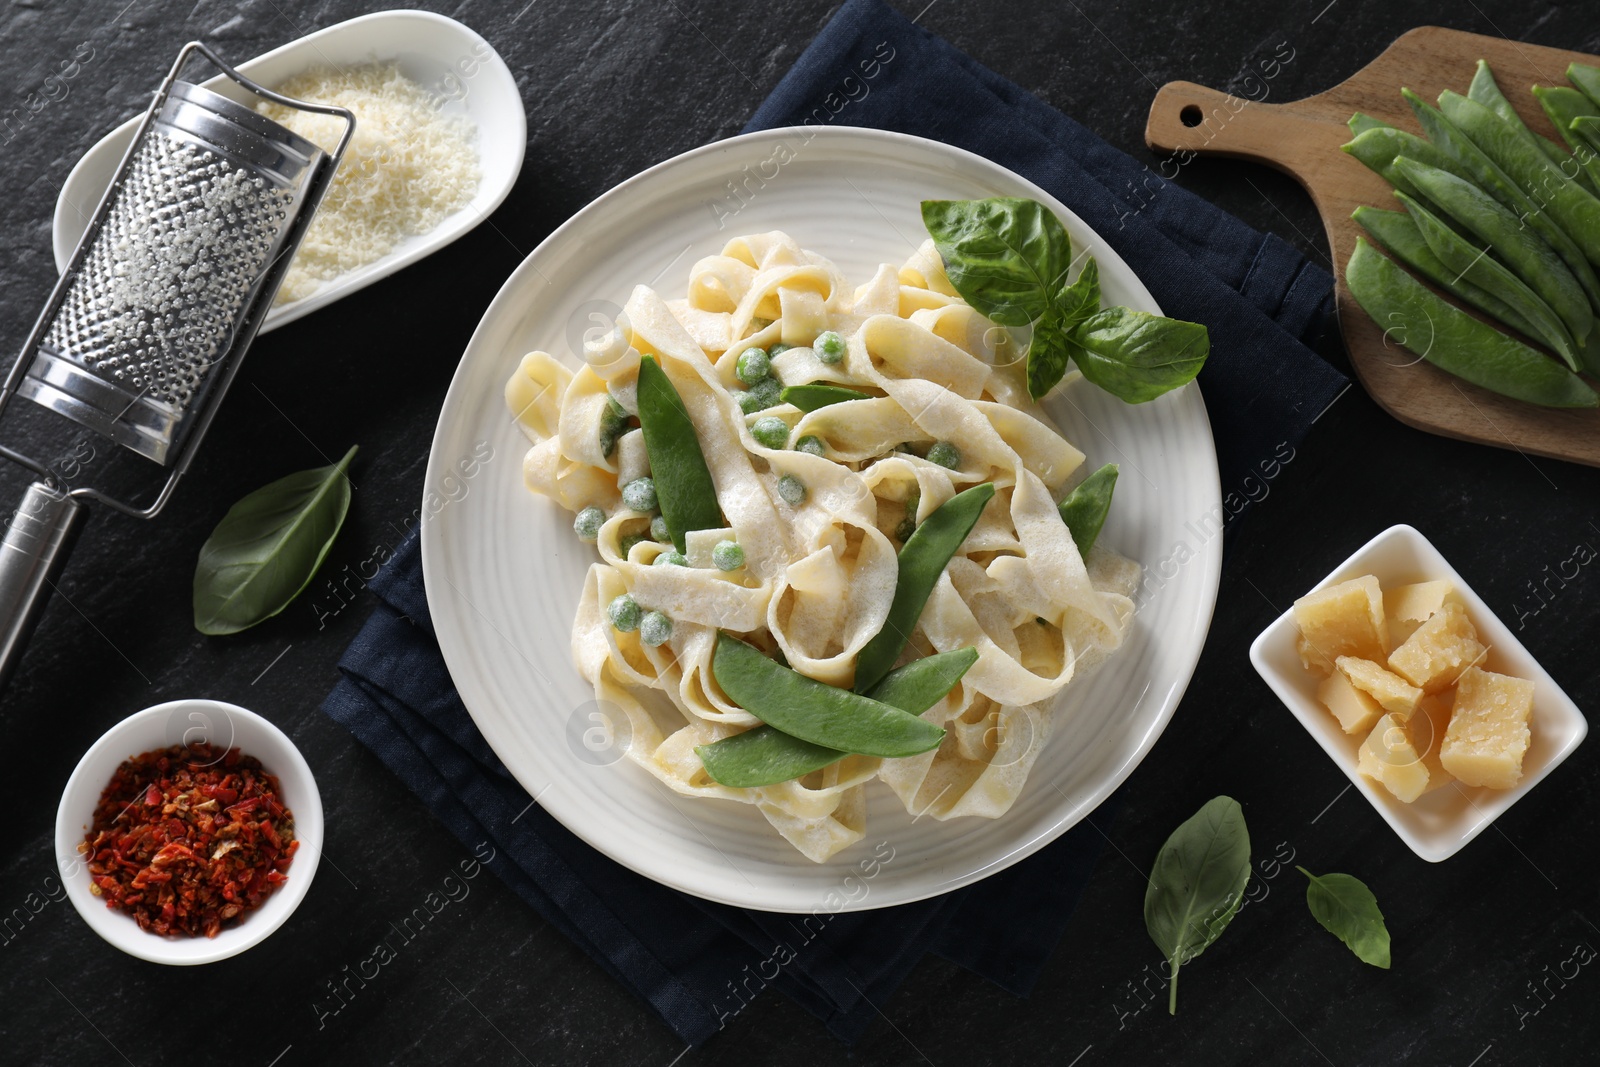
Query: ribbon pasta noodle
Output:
(819,576)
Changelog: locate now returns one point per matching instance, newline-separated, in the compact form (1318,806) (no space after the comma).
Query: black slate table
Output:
(611,88)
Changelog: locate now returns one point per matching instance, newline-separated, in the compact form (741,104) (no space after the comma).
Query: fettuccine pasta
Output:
(819,575)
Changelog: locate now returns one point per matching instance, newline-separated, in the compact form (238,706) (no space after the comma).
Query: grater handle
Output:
(35,547)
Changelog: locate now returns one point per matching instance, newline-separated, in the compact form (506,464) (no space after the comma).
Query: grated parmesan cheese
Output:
(407,168)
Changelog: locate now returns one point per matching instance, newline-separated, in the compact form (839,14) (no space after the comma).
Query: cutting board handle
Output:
(1185,117)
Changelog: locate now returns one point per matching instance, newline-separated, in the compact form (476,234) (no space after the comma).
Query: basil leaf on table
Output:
(1197,884)
(1138,356)
(1006,256)
(1346,908)
(268,547)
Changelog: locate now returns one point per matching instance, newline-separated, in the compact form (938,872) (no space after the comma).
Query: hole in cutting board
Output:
(1191,115)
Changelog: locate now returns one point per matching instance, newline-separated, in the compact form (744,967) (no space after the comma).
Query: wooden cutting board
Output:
(1302,139)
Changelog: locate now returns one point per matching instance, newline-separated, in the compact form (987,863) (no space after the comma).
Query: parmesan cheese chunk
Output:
(1355,710)
(1434,657)
(1390,757)
(1488,733)
(1390,690)
(1409,606)
(1343,620)
(1426,728)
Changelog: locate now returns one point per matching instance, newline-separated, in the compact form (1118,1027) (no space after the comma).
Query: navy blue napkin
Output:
(696,963)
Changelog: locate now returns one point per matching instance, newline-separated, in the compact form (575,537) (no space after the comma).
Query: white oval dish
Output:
(1439,824)
(178,722)
(503,569)
(438,53)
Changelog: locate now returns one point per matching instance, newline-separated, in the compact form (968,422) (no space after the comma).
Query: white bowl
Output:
(432,50)
(176,722)
(1439,823)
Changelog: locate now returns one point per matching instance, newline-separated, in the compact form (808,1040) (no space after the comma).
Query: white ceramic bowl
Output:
(1439,823)
(176,722)
(438,53)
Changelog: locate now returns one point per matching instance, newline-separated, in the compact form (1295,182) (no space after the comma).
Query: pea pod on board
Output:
(1494,181)
(1084,509)
(1396,232)
(814,711)
(1455,342)
(684,489)
(1380,147)
(1361,122)
(923,558)
(1517,246)
(1478,267)
(1569,204)
(1587,79)
(1486,91)
(767,755)
(818,395)
(1563,105)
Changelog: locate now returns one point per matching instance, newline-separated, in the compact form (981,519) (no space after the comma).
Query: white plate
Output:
(504,570)
(437,53)
(1437,824)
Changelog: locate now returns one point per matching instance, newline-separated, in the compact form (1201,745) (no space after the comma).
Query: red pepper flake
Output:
(187,839)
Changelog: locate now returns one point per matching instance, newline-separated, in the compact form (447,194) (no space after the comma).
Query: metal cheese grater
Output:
(146,328)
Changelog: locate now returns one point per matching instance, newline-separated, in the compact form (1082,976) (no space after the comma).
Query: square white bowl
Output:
(1438,823)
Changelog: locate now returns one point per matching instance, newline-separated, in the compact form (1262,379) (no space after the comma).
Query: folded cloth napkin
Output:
(696,963)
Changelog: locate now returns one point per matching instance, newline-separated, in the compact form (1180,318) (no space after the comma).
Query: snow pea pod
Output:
(1494,181)
(1519,247)
(1381,146)
(816,395)
(1397,233)
(684,490)
(1476,266)
(1486,91)
(922,560)
(1587,79)
(1563,105)
(1361,122)
(1084,509)
(1453,340)
(767,755)
(814,711)
(1569,204)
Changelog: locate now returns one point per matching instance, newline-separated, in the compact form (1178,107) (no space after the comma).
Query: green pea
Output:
(752,366)
(759,397)
(829,347)
(904,529)
(813,711)
(923,559)
(815,395)
(613,424)
(1473,264)
(658,529)
(670,558)
(1564,105)
(1084,509)
(683,484)
(625,544)
(792,490)
(624,613)
(1519,247)
(945,454)
(1472,164)
(1397,232)
(1453,340)
(640,494)
(655,629)
(770,431)
(811,445)
(778,349)
(727,556)
(588,522)
(766,755)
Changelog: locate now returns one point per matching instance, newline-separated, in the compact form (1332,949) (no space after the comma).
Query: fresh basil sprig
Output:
(1009,258)
(268,547)
(1346,908)
(1197,885)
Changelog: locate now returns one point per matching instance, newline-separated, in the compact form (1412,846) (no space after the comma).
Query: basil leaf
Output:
(1197,884)
(1138,356)
(268,547)
(1006,256)
(1347,909)
(1049,351)
(1084,509)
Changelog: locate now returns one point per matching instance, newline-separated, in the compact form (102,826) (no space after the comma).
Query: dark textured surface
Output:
(612,88)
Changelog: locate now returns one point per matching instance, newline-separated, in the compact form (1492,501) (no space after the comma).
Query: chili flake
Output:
(187,839)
